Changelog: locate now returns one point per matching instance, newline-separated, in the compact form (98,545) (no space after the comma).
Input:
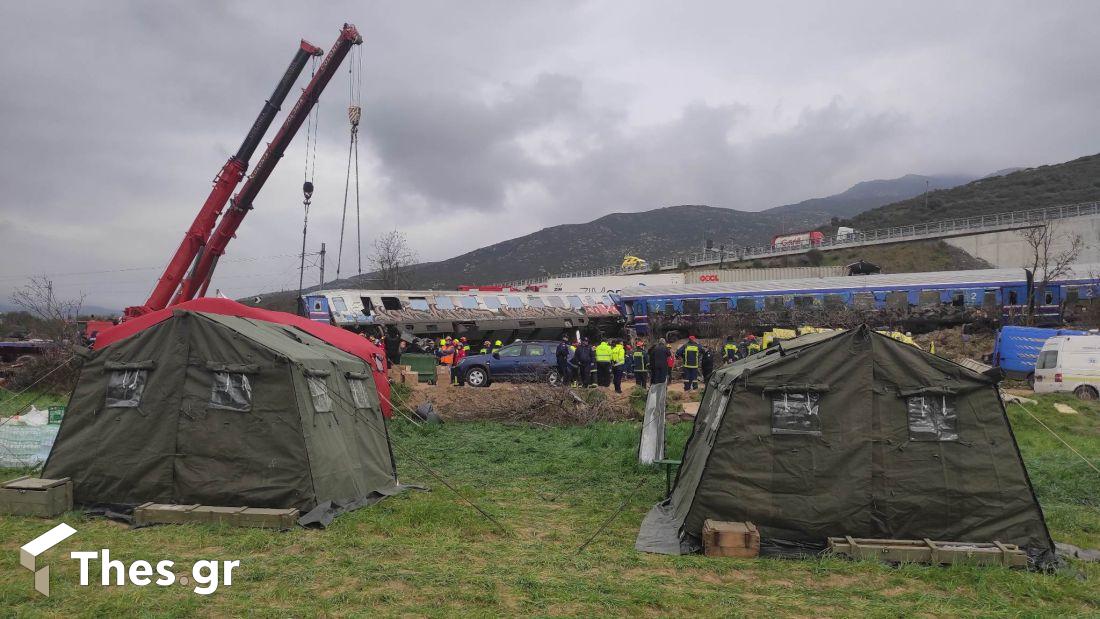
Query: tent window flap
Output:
(932,418)
(124,388)
(318,391)
(796,412)
(231,391)
(359,392)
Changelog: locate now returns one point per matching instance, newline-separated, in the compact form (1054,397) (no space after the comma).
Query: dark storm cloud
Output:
(487,120)
(461,151)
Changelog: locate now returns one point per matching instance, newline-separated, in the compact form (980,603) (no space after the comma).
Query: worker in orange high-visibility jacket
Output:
(446,352)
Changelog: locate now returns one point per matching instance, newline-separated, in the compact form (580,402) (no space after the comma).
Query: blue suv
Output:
(521,362)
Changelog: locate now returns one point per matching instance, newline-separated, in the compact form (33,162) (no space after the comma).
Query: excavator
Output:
(189,271)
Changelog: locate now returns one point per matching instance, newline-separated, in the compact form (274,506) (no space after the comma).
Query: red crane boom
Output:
(224,184)
(200,275)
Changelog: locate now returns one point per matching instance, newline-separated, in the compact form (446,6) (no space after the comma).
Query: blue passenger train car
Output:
(918,299)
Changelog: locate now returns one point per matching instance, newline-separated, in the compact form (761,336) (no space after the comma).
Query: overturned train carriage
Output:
(471,313)
(850,433)
(224,410)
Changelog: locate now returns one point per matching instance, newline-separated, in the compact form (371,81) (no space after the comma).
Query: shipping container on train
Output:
(475,314)
(915,299)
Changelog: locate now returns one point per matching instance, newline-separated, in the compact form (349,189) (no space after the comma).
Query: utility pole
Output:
(926,186)
(322,264)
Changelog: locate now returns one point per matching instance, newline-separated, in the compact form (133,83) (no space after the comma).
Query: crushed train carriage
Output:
(475,314)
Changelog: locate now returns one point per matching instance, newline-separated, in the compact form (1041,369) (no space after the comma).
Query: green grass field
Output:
(426,553)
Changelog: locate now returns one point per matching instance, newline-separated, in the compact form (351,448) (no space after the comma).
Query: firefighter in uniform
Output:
(691,355)
(641,365)
(729,351)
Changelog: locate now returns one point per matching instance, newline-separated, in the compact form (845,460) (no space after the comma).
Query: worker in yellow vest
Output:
(603,364)
(729,351)
(754,345)
(496,346)
(691,355)
(618,359)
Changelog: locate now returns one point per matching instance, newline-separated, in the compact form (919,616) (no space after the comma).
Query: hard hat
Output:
(691,337)
(462,338)
(497,343)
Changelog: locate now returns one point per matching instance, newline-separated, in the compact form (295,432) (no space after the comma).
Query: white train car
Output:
(474,314)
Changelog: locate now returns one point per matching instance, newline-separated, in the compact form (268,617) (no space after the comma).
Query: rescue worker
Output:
(582,359)
(465,346)
(618,358)
(561,355)
(459,355)
(446,353)
(706,364)
(641,365)
(753,345)
(691,355)
(486,346)
(658,357)
(628,364)
(603,364)
(496,346)
(729,351)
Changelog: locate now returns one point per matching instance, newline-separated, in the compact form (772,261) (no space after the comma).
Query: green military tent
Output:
(224,410)
(850,433)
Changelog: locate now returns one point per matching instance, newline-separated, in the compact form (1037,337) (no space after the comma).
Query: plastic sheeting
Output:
(652,444)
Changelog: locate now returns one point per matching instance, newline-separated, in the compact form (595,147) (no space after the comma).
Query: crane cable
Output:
(308,174)
(354,114)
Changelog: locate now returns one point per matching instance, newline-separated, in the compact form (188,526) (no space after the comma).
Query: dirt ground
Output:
(539,403)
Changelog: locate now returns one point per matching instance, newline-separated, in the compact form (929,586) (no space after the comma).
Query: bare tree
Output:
(58,316)
(1051,251)
(391,258)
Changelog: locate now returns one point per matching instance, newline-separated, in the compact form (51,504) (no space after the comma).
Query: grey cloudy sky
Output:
(487,120)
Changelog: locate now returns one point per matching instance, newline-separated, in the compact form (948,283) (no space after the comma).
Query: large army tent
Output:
(344,340)
(850,433)
(225,410)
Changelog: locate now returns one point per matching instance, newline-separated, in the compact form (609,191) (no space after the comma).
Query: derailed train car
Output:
(475,314)
(915,301)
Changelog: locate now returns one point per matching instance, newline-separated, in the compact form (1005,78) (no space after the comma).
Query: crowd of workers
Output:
(607,363)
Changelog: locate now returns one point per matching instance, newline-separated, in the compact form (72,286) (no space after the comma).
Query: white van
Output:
(1069,363)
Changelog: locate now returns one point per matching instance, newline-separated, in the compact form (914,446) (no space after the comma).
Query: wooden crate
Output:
(730,539)
(214,514)
(928,551)
(261,517)
(266,518)
(163,513)
(34,496)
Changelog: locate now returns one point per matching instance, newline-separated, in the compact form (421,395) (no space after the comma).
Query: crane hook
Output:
(307,190)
